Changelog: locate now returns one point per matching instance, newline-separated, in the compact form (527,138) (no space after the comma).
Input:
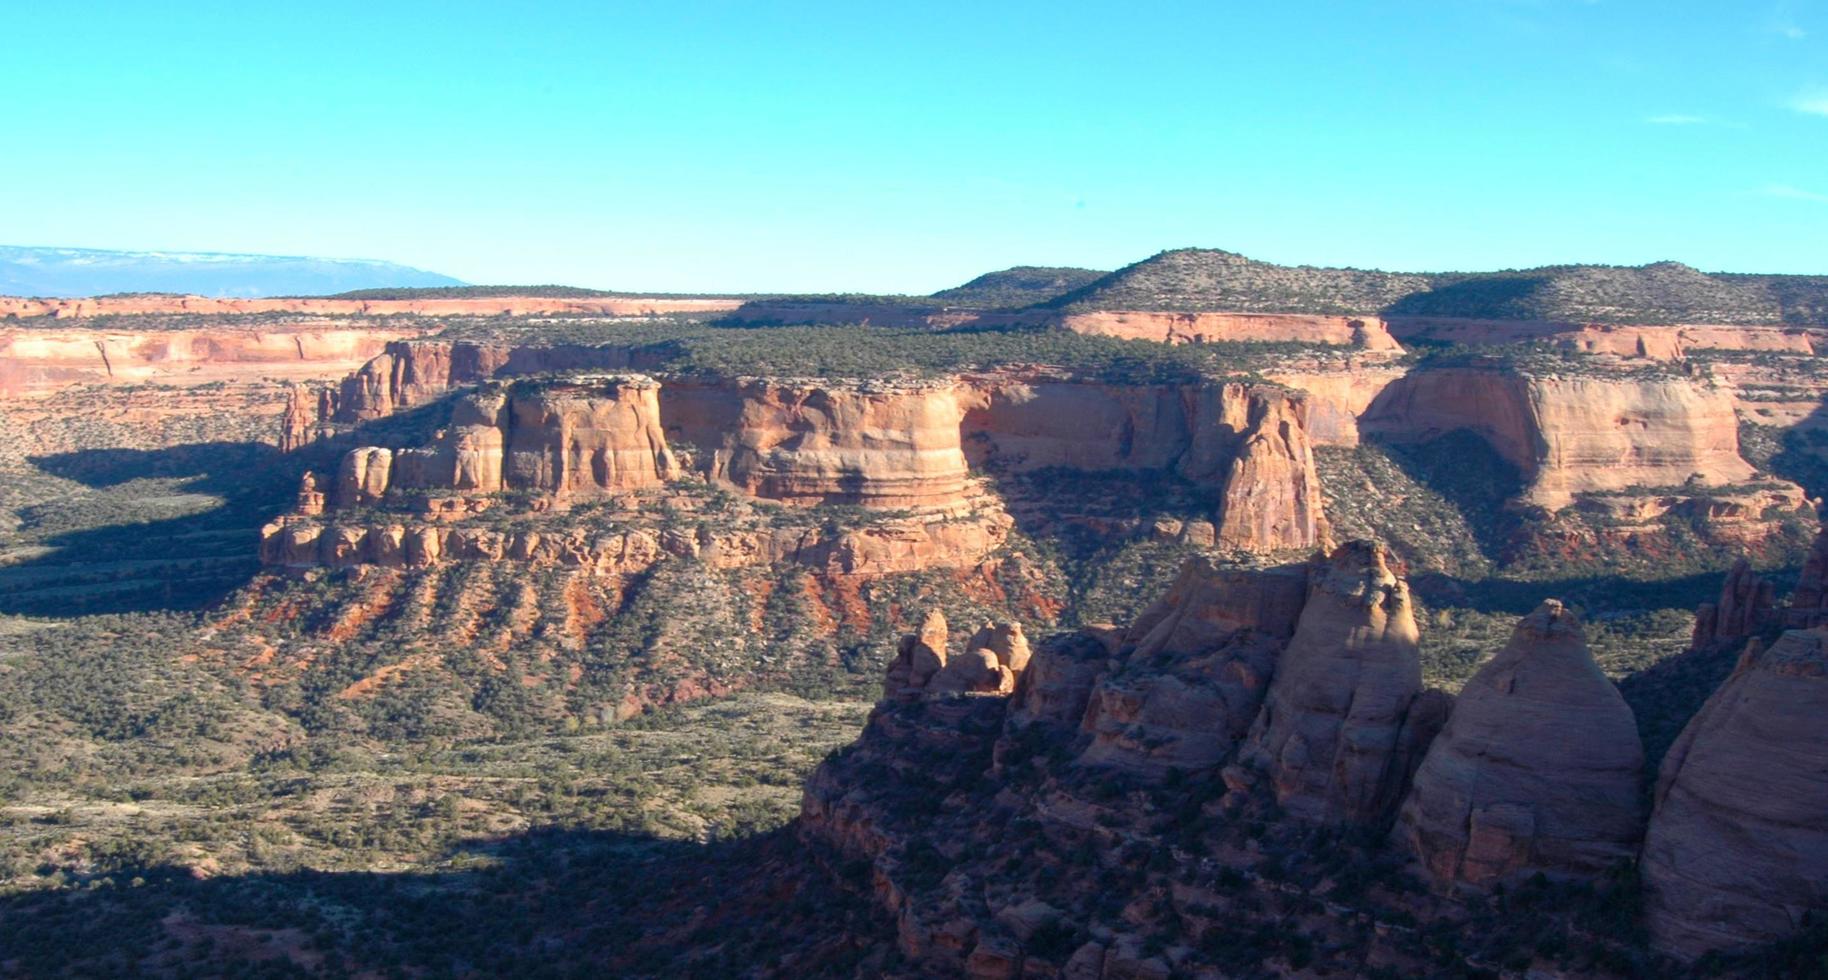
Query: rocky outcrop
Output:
(1248,442)
(1330,734)
(919,657)
(884,446)
(991,663)
(1808,605)
(587,436)
(1368,333)
(36,362)
(413,373)
(1539,768)
(1271,496)
(165,304)
(1578,434)
(298,428)
(897,545)
(1737,850)
(1663,343)
(1199,663)
(1746,607)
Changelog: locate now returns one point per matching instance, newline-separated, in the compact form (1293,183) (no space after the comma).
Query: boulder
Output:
(1539,767)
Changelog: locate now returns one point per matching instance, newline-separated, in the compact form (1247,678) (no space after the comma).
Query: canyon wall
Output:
(158,304)
(883,446)
(1664,343)
(1368,333)
(39,362)
(1577,434)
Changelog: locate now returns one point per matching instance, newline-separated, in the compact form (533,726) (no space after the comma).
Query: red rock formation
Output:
(920,656)
(1578,434)
(1808,605)
(36,362)
(1248,442)
(1745,609)
(1368,333)
(886,446)
(587,436)
(298,428)
(1539,768)
(1201,661)
(1271,499)
(1329,733)
(1737,850)
(154,304)
(1666,343)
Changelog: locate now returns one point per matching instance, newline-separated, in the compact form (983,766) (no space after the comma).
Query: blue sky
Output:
(907,147)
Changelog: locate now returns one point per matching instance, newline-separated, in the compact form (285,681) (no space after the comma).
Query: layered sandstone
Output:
(1539,768)
(1330,734)
(1808,605)
(1368,333)
(409,374)
(1737,850)
(1247,442)
(893,546)
(1664,343)
(1578,434)
(36,361)
(588,436)
(884,446)
(156,304)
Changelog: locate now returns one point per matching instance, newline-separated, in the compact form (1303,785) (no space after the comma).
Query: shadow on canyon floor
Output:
(173,528)
(566,903)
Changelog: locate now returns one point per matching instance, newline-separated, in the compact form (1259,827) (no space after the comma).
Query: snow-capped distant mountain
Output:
(98,272)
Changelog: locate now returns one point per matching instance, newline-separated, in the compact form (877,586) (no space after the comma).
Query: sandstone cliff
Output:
(873,445)
(1578,434)
(508,305)
(36,362)
(1368,333)
(1249,443)
(1737,850)
(1538,769)
(583,437)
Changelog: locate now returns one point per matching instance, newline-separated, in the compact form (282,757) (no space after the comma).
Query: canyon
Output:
(1180,662)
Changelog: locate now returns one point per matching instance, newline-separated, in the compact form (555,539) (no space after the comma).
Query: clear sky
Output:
(904,147)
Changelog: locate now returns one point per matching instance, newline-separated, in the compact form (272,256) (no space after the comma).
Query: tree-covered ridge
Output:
(1210,280)
(1017,286)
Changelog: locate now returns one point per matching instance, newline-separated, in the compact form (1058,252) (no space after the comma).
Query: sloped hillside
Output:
(1663,292)
(1197,279)
(1021,285)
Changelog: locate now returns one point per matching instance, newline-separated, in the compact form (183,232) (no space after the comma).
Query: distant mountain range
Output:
(99,272)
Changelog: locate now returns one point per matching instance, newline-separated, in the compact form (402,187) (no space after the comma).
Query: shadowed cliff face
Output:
(1737,851)
(1157,793)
